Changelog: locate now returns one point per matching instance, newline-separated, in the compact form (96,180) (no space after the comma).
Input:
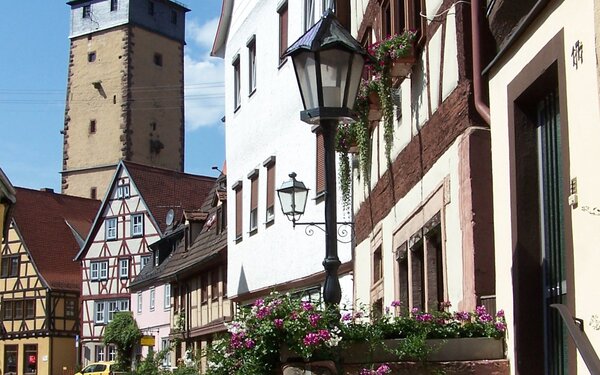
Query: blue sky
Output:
(33,74)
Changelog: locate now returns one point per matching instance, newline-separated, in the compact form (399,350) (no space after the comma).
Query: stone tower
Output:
(124,90)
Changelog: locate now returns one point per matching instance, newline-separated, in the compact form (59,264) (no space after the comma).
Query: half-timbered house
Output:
(40,284)
(197,273)
(139,205)
(423,212)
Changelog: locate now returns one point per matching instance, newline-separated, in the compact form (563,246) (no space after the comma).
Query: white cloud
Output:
(204,86)
(204,34)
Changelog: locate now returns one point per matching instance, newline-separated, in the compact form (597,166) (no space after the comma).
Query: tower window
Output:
(87,11)
(158,60)
(173,17)
(91,56)
(151,8)
(113,5)
(92,126)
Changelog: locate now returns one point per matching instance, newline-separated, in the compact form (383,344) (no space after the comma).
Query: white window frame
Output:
(139,302)
(94,270)
(164,344)
(237,84)
(99,312)
(103,274)
(112,308)
(137,225)
(251,65)
(123,191)
(99,353)
(167,301)
(253,219)
(145,260)
(112,353)
(99,270)
(152,298)
(111,228)
(123,268)
(123,305)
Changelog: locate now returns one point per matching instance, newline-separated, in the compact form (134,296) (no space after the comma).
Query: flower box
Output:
(375,112)
(442,350)
(401,67)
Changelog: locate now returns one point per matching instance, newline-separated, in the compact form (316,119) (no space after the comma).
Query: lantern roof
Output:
(326,34)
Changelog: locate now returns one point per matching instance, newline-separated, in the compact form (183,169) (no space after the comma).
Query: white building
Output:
(265,141)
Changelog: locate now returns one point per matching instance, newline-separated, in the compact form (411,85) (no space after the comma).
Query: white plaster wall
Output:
(577,20)
(268,124)
(101,17)
(446,167)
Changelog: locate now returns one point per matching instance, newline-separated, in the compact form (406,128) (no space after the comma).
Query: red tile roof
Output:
(164,189)
(44,220)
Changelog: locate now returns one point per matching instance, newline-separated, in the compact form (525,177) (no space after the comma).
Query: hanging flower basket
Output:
(375,112)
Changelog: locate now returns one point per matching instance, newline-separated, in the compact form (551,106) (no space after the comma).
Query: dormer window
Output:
(123,191)
(87,11)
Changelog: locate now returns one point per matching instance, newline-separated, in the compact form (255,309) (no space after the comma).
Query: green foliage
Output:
(124,333)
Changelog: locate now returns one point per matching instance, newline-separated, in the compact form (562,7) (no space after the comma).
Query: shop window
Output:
(30,359)
(11,355)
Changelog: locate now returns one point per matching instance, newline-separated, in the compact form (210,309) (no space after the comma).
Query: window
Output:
(92,126)
(320,167)
(417,22)
(309,14)
(124,305)
(237,187)
(113,307)
(253,176)
(139,302)
(204,288)
(167,299)
(29,308)
(123,191)
(386,19)
(112,353)
(145,260)
(237,98)
(11,355)
(30,359)
(70,307)
(111,228)
(164,345)
(270,209)
(99,312)
(18,309)
(7,307)
(283,31)
(173,17)
(151,8)
(377,265)
(137,225)
(252,65)
(399,16)
(91,56)
(93,192)
(10,266)
(158,59)
(152,298)
(420,264)
(113,5)
(99,353)
(123,268)
(99,270)
(87,11)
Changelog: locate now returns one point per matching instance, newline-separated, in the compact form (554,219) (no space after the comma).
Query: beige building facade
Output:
(124,91)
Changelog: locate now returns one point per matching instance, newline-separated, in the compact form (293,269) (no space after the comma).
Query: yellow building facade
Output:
(40,284)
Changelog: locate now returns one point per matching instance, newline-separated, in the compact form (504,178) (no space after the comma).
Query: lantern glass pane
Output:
(301,195)
(285,198)
(306,70)
(334,72)
(358,63)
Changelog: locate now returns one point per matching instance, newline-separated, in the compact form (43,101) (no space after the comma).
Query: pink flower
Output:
(278,323)
(500,326)
(311,339)
(396,304)
(500,314)
(259,302)
(480,310)
(307,306)
(463,316)
(314,319)
(324,334)
(249,343)
(383,369)
(485,318)
(346,317)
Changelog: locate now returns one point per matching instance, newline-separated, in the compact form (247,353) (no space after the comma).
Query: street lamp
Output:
(292,197)
(328,63)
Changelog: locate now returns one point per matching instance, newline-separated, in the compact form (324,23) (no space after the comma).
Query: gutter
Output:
(482,108)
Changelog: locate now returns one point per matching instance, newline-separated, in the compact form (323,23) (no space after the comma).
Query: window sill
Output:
(319,197)
(270,222)
(252,92)
(253,231)
(237,108)
(238,239)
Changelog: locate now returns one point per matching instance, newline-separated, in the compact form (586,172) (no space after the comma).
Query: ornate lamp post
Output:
(328,63)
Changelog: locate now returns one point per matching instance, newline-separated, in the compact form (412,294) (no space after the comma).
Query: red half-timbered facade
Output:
(139,205)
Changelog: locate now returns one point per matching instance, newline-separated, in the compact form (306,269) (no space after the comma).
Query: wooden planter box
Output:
(402,66)
(375,112)
(442,350)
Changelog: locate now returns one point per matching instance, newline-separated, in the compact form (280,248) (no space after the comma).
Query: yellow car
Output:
(98,368)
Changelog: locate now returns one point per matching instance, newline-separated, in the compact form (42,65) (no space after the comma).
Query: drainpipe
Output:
(480,105)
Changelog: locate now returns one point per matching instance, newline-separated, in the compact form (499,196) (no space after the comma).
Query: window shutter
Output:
(271,185)
(238,210)
(283,30)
